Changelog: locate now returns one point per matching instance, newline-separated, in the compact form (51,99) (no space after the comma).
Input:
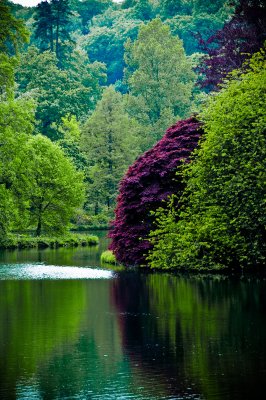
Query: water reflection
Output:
(77,256)
(195,335)
(136,336)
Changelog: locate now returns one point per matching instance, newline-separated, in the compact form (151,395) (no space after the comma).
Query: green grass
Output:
(42,242)
(108,257)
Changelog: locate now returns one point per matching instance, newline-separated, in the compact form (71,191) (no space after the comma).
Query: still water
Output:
(70,329)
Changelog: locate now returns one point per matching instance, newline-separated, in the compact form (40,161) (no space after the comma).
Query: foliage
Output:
(69,131)
(56,188)
(83,221)
(70,240)
(189,27)
(88,9)
(44,29)
(38,184)
(222,221)
(106,39)
(159,76)
(107,257)
(144,10)
(198,318)
(13,32)
(172,8)
(16,125)
(110,141)
(230,46)
(7,81)
(52,22)
(145,187)
(73,91)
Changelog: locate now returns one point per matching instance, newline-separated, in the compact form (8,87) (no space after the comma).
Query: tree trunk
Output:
(51,38)
(39,226)
(57,34)
(96,208)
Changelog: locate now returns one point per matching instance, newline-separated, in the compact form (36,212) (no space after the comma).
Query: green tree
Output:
(56,188)
(7,81)
(72,91)
(44,29)
(128,3)
(16,125)
(190,27)
(174,7)
(69,130)
(209,7)
(143,10)
(52,27)
(13,32)
(61,16)
(222,221)
(159,76)
(87,9)
(106,39)
(110,140)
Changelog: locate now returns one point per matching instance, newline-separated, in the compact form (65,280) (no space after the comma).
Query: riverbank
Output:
(42,242)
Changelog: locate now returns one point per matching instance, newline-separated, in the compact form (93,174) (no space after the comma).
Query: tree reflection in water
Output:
(201,335)
(139,336)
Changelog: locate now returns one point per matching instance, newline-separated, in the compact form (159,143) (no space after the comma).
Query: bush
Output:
(108,257)
(223,219)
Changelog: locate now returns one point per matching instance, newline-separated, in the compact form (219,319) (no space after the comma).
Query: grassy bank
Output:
(42,242)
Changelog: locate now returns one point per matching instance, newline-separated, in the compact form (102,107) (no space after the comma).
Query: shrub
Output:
(108,257)
(223,219)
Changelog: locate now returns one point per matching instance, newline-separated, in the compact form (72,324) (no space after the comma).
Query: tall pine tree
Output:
(52,27)
(44,31)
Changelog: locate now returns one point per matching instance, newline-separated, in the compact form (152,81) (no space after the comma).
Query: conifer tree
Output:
(61,17)
(52,27)
(110,140)
(44,26)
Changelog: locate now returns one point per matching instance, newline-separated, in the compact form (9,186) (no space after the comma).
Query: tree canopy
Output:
(236,41)
(59,92)
(13,32)
(16,125)
(159,76)
(222,220)
(146,186)
(52,20)
(56,189)
(110,140)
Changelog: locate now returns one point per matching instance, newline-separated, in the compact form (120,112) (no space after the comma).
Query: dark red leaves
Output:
(149,181)
(229,47)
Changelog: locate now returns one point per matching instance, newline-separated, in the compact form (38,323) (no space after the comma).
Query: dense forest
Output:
(88,89)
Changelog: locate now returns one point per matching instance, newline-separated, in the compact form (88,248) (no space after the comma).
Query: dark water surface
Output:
(104,335)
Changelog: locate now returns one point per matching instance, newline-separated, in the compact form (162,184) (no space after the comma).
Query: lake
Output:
(71,329)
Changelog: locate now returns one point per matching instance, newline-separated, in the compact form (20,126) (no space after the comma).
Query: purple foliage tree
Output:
(149,181)
(229,47)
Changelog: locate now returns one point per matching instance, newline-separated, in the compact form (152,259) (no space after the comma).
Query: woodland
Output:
(88,89)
